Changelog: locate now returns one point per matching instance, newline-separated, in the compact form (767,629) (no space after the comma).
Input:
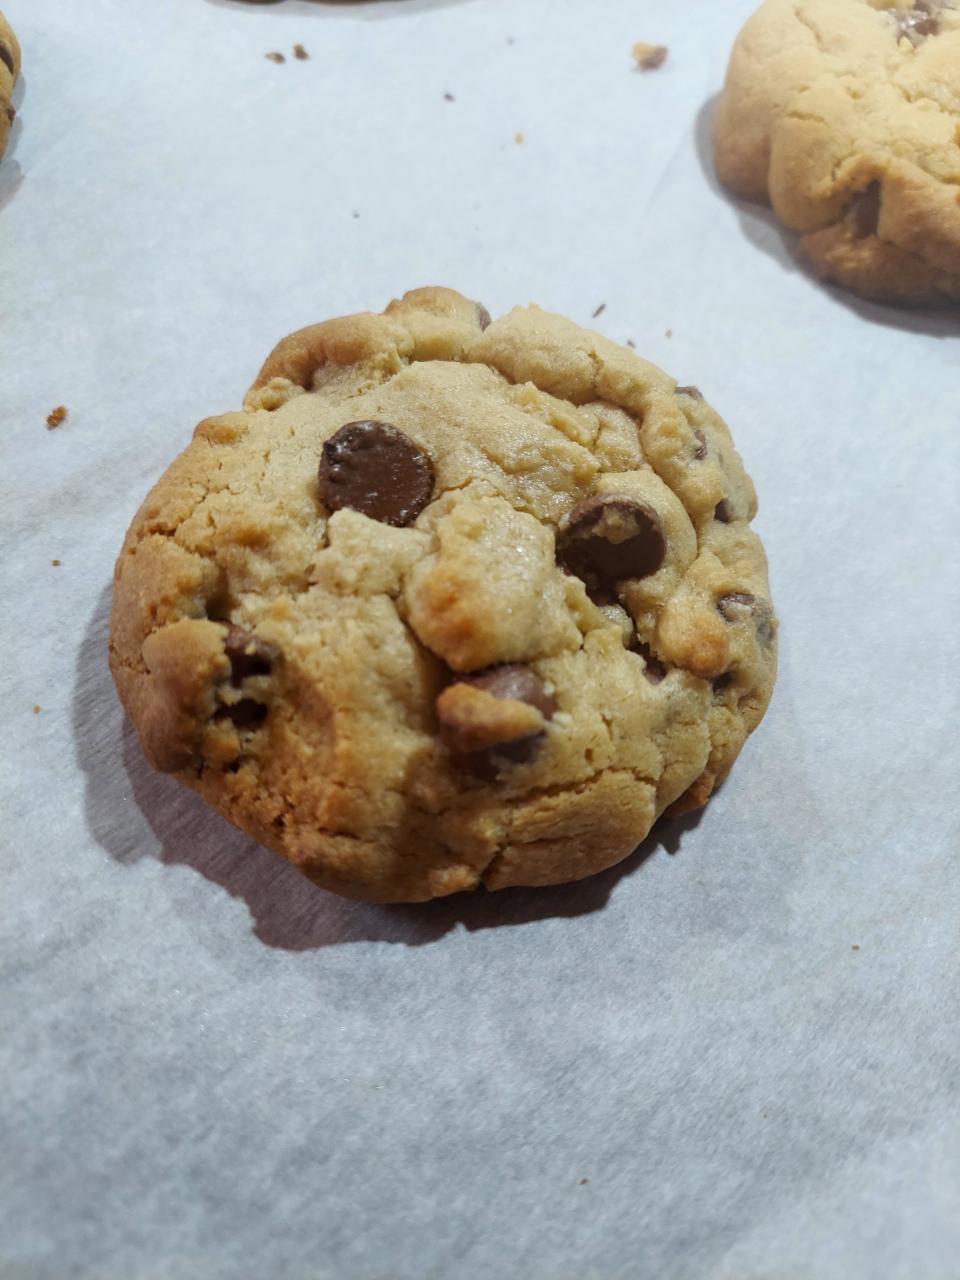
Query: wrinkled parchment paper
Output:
(733,1057)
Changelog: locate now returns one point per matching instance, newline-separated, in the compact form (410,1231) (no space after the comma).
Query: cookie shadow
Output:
(133,812)
(763,229)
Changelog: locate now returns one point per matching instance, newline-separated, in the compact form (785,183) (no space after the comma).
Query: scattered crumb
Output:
(300,52)
(275,57)
(356,213)
(37,708)
(448,97)
(519,139)
(631,344)
(584,1181)
(669,333)
(855,947)
(649,56)
(56,416)
(599,311)
(56,563)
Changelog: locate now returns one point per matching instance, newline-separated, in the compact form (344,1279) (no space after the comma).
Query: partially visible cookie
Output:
(9,70)
(450,603)
(846,114)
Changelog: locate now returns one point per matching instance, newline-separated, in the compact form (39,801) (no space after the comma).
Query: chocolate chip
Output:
(483,315)
(762,613)
(249,656)
(510,681)
(865,211)
(722,512)
(722,682)
(609,538)
(245,714)
(701,439)
(373,468)
(920,21)
(514,680)
(693,392)
(11,114)
(6,55)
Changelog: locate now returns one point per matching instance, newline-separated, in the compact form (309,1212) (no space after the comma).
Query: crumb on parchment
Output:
(56,416)
(56,563)
(37,708)
(274,56)
(649,56)
(631,344)
(519,138)
(300,53)
(599,311)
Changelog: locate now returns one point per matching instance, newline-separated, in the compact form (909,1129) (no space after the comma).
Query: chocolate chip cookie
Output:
(9,70)
(449,603)
(846,114)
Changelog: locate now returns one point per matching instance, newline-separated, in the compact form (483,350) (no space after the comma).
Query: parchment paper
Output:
(733,1057)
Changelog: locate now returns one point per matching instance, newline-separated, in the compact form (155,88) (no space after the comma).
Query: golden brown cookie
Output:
(9,70)
(846,114)
(448,603)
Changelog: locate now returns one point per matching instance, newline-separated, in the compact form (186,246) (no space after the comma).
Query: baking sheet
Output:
(733,1057)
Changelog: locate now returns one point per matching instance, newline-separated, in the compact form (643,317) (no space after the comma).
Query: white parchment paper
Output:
(733,1057)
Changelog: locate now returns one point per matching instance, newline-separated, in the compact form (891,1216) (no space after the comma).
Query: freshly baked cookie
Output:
(846,113)
(9,70)
(449,603)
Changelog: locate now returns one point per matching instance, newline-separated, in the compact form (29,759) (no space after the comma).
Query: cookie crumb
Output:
(56,563)
(448,97)
(631,344)
(855,947)
(274,57)
(300,53)
(37,708)
(649,56)
(584,1181)
(669,333)
(56,416)
(356,213)
(519,139)
(599,311)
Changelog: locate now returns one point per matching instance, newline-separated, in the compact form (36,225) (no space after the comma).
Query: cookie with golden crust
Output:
(846,115)
(9,70)
(449,602)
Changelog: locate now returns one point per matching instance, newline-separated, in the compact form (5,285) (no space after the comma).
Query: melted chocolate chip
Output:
(483,315)
(609,538)
(245,714)
(701,439)
(249,656)
(373,468)
(865,211)
(513,680)
(920,21)
(693,392)
(722,682)
(722,512)
(6,55)
(762,613)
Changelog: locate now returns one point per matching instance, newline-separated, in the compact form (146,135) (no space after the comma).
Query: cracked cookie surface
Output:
(9,70)
(451,602)
(846,115)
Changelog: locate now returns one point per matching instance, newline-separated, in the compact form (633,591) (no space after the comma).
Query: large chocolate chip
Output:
(510,681)
(693,392)
(922,20)
(373,468)
(245,714)
(483,315)
(609,538)
(513,680)
(733,601)
(249,655)
(722,511)
(865,211)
